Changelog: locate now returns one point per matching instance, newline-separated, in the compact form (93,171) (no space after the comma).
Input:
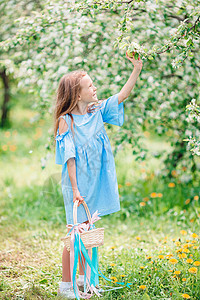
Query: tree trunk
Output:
(6,97)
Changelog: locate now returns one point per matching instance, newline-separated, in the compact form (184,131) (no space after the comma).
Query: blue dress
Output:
(95,165)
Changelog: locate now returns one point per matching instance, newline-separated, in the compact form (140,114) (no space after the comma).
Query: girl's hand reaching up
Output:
(77,196)
(136,62)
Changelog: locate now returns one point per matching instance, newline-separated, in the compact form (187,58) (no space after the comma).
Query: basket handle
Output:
(75,211)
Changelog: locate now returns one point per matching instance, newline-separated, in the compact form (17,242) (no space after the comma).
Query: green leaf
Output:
(189,42)
(136,55)
(44,280)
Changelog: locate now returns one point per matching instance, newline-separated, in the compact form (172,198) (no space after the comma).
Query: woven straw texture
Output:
(91,238)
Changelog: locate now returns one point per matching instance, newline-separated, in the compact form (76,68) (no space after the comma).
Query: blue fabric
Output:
(65,148)
(95,165)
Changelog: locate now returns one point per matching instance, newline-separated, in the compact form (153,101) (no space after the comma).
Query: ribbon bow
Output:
(81,227)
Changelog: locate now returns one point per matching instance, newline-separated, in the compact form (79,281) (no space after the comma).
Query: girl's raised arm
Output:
(126,90)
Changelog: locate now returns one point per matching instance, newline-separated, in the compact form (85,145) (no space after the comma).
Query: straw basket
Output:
(91,238)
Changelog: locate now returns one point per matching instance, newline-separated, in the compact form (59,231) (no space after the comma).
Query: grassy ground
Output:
(158,221)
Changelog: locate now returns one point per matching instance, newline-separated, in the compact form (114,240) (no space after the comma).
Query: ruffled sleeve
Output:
(112,112)
(65,147)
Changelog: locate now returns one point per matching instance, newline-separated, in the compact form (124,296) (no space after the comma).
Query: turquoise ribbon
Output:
(92,263)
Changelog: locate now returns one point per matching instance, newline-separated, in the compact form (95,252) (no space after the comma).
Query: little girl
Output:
(88,167)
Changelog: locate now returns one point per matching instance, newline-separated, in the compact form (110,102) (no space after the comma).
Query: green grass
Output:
(32,221)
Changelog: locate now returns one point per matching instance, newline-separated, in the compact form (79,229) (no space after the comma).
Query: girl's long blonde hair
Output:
(67,96)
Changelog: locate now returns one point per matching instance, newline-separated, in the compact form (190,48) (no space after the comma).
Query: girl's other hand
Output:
(91,107)
(136,62)
(77,196)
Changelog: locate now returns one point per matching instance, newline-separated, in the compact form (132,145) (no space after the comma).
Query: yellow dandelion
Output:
(113,247)
(184,255)
(186,250)
(128,183)
(183,232)
(170,271)
(161,256)
(142,203)
(196,198)
(177,272)
(7,134)
(145,199)
(185,296)
(174,173)
(193,270)
(184,279)
(119,186)
(194,235)
(153,195)
(4,147)
(195,247)
(187,245)
(142,287)
(142,267)
(180,256)
(177,243)
(191,255)
(122,275)
(173,240)
(173,261)
(168,256)
(13,148)
(189,260)
(179,250)
(149,257)
(113,279)
(159,195)
(171,184)
(112,264)
(174,276)
(138,238)
(196,263)
(152,175)
(193,242)
(187,201)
